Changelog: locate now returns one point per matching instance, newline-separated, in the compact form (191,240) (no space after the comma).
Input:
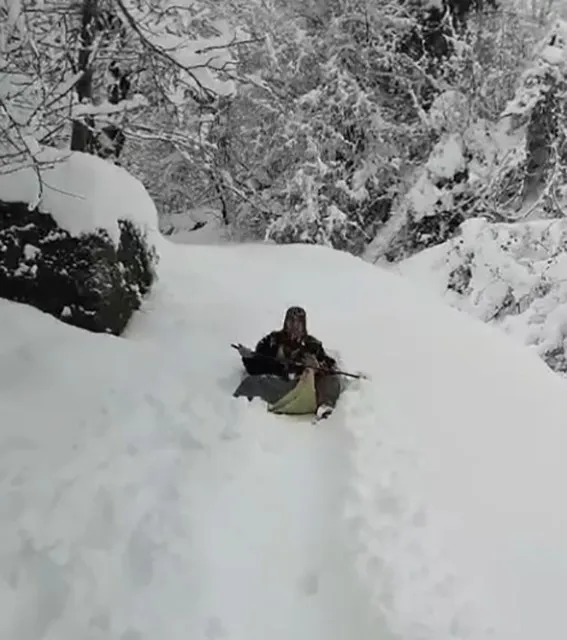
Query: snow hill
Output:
(138,500)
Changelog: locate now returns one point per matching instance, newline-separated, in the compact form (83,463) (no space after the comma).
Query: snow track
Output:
(269,543)
(150,510)
(270,538)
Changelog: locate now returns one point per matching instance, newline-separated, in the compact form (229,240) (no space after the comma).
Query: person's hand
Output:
(310,361)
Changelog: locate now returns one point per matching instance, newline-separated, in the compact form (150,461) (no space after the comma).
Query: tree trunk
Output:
(82,134)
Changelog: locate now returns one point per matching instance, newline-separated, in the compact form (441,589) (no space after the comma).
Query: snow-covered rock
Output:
(76,240)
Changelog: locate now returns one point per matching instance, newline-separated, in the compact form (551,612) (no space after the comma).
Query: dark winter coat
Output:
(274,349)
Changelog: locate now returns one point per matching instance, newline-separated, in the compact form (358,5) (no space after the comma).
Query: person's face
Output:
(295,327)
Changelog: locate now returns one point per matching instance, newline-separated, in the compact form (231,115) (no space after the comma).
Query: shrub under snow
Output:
(76,240)
(511,275)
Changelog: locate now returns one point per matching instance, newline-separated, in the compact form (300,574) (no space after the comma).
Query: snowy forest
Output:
(426,137)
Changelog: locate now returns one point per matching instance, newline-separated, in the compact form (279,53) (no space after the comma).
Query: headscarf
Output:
(295,323)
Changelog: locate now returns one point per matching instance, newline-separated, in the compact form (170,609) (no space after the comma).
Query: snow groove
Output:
(398,552)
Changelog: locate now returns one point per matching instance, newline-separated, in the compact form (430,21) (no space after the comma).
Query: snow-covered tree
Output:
(316,142)
(341,122)
(531,179)
(472,144)
(36,78)
(95,63)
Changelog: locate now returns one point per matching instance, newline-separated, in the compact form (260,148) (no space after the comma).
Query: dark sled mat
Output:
(293,397)
(268,388)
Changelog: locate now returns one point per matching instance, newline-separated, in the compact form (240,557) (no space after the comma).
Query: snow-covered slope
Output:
(511,275)
(139,500)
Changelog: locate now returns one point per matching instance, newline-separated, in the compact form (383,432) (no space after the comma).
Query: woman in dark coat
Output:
(282,356)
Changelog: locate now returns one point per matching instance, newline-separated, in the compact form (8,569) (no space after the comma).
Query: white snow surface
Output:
(182,228)
(82,192)
(139,500)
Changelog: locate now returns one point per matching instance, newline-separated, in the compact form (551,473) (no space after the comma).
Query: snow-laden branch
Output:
(201,60)
(105,108)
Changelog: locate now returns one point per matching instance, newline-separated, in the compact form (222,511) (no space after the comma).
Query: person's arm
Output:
(263,359)
(323,358)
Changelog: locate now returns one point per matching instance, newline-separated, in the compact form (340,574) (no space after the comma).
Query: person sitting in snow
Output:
(287,353)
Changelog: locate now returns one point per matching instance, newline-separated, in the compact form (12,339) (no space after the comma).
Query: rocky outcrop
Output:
(88,280)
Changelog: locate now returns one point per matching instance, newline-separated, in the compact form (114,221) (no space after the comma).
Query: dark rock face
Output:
(85,281)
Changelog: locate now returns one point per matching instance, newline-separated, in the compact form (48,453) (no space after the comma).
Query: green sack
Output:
(302,399)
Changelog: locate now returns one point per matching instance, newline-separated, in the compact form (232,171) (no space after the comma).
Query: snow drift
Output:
(510,275)
(83,193)
(138,499)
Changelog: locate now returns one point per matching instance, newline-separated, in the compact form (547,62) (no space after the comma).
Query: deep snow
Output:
(83,193)
(139,500)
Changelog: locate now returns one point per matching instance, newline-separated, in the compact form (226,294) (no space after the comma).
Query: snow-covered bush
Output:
(481,159)
(341,138)
(333,196)
(315,147)
(430,211)
(77,240)
(509,268)
(513,275)
(532,176)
